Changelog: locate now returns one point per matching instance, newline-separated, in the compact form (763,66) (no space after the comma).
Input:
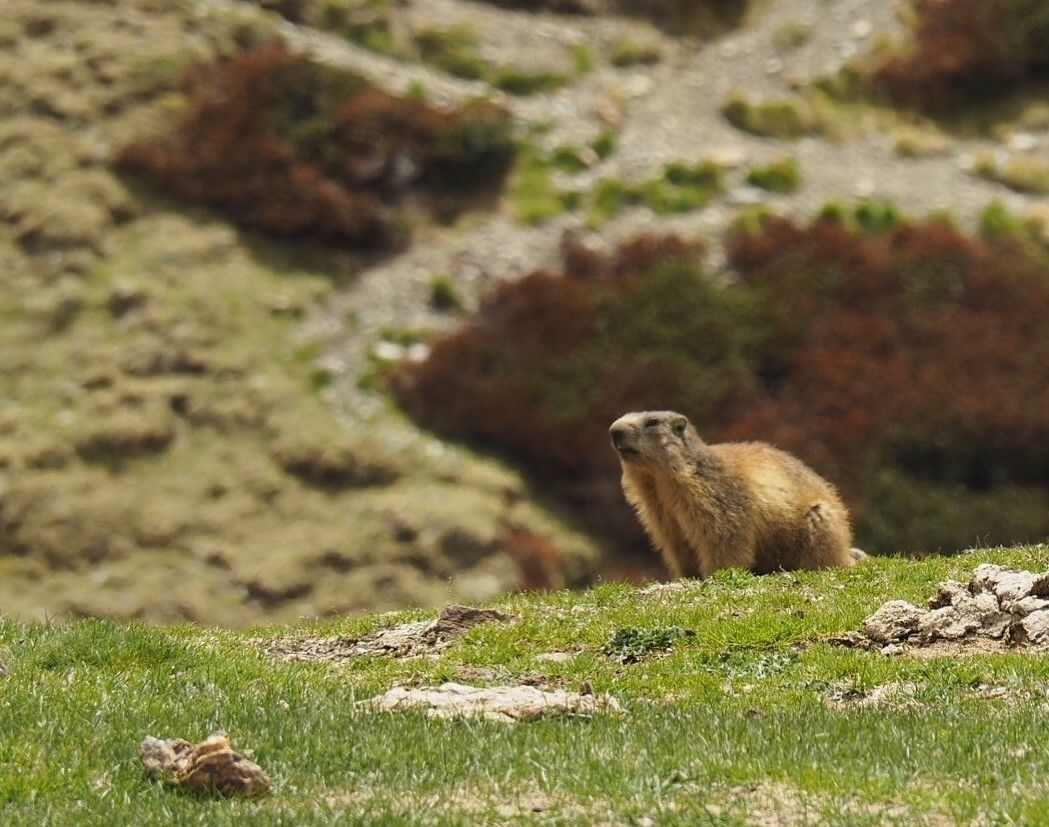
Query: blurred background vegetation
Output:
(319,306)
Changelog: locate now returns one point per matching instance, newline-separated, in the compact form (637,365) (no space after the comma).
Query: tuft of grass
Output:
(868,214)
(772,119)
(1020,173)
(681,188)
(912,142)
(527,82)
(535,197)
(790,36)
(583,59)
(629,52)
(781,176)
(605,144)
(736,719)
(455,50)
(444,296)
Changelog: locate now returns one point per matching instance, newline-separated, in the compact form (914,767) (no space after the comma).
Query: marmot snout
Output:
(708,507)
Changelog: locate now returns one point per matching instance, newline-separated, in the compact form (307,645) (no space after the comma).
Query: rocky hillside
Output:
(195,340)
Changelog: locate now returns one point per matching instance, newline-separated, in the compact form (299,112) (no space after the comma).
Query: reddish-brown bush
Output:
(914,354)
(299,149)
(966,49)
(676,16)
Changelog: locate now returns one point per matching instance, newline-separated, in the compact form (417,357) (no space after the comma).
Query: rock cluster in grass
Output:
(417,639)
(997,608)
(208,767)
(508,704)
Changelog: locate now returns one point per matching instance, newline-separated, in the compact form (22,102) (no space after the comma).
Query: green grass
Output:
(1020,173)
(681,188)
(455,50)
(782,175)
(740,704)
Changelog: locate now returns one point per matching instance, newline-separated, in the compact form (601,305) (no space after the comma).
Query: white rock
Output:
(1036,627)
(1022,142)
(728,157)
(893,622)
(861,29)
(554,657)
(507,704)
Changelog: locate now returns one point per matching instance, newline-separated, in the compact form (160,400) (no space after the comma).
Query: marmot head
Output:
(654,439)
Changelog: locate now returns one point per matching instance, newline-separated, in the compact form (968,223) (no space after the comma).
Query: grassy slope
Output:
(738,704)
(123,315)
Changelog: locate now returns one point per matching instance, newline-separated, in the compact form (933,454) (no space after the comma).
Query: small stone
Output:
(861,29)
(947,624)
(388,351)
(417,352)
(745,196)
(946,593)
(554,657)
(1036,628)
(1022,142)
(1028,605)
(864,187)
(728,157)
(638,86)
(208,767)
(893,622)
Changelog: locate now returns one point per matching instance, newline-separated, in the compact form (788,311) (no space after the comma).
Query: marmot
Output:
(709,507)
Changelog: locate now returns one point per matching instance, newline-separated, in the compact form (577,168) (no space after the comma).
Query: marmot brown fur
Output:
(709,507)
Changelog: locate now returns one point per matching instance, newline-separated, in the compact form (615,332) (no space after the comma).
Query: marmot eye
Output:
(651,423)
(679,426)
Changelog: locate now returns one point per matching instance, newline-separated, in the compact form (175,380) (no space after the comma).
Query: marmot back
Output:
(708,507)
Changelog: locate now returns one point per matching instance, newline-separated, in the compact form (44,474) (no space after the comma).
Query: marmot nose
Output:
(618,433)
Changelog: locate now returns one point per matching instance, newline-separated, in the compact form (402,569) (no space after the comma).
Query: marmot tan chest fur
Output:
(709,507)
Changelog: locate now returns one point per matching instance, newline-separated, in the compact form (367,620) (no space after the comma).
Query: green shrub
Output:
(627,52)
(535,198)
(604,144)
(632,645)
(527,82)
(782,176)
(443,294)
(996,221)
(454,51)
(1020,173)
(772,119)
(681,188)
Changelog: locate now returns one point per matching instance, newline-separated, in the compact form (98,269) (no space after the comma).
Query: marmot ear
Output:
(679,424)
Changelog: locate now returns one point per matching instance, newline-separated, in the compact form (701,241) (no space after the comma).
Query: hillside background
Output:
(320,306)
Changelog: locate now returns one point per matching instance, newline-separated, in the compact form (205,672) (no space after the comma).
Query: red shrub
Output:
(967,49)
(298,149)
